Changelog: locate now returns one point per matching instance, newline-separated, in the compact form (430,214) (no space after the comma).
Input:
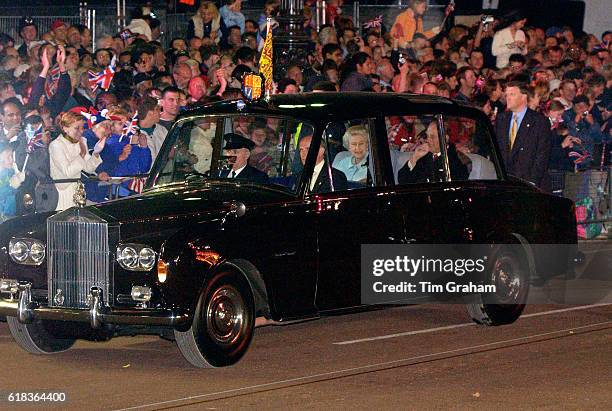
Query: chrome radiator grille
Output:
(78,248)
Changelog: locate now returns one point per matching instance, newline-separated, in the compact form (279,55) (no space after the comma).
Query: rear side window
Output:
(472,142)
(350,151)
(417,149)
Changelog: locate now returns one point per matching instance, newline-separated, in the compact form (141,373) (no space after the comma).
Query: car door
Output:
(364,213)
(434,203)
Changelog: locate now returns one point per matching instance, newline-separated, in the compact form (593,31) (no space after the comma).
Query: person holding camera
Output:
(581,124)
(510,40)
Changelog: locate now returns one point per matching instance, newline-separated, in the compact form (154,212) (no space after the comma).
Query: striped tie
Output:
(513,129)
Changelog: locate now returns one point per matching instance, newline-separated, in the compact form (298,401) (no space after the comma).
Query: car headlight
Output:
(146,258)
(136,257)
(27,251)
(37,252)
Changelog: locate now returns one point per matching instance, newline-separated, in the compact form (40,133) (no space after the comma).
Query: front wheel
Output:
(38,337)
(510,275)
(223,323)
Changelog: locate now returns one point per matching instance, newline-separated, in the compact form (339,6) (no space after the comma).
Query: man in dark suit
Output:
(427,165)
(238,149)
(320,181)
(524,138)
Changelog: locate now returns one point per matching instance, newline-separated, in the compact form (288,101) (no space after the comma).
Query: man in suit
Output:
(320,181)
(427,165)
(238,150)
(524,138)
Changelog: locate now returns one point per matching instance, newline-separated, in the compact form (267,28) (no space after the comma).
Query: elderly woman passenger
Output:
(355,166)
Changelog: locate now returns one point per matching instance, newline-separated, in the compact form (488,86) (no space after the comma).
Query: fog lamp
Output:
(8,286)
(141,293)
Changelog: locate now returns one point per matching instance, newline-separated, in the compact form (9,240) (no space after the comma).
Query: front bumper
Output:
(21,306)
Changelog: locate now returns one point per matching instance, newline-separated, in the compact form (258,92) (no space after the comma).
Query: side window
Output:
(409,136)
(348,150)
(191,151)
(416,153)
(470,142)
(275,143)
(256,149)
(266,133)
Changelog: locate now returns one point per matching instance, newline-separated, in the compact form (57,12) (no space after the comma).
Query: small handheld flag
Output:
(52,82)
(130,128)
(137,184)
(374,23)
(36,141)
(104,78)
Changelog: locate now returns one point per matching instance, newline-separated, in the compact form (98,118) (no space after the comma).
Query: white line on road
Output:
(453,326)
(348,371)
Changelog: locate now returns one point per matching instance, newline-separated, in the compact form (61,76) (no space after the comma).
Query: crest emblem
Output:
(252,86)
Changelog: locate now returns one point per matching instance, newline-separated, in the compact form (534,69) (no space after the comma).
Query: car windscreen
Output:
(247,148)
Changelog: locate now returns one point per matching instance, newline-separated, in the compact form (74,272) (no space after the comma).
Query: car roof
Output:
(339,106)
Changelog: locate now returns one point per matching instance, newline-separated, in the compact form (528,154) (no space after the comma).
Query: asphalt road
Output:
(416,357)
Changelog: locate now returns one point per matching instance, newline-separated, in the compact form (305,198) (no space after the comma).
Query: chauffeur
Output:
(238,149)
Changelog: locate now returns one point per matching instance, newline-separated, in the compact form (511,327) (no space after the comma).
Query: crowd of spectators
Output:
(46,85)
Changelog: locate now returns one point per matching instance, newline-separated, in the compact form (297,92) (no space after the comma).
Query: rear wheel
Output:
(510,275)
(38,337)
(223,323)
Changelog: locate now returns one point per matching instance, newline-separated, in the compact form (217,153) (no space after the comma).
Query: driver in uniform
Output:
(238,150)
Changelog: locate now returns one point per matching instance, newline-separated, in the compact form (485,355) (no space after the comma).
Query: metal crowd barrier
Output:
(10,24)
(595,185)
(103,20)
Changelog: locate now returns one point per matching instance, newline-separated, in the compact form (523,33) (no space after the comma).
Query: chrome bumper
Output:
(26,310)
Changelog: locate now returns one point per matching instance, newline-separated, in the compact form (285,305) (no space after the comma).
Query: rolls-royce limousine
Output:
(255,212)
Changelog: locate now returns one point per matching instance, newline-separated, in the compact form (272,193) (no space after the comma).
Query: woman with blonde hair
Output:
(206,23)
(68,156)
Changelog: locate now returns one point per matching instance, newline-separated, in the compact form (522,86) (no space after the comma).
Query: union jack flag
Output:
(102,79)
(51,82)
(36,141)
(579,157)
(126,34)
(137,185)
(130,128)
(375,22)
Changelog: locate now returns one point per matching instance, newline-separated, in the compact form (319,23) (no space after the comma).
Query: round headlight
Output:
(37,252)
(18,251)
(128,257)
(146,258)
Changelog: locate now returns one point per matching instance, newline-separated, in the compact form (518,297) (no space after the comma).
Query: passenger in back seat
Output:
(355,165)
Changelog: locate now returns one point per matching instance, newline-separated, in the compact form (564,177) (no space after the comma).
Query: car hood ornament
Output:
(58,299)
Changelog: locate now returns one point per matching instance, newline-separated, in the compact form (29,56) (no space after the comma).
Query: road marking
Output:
(381,365)
(596,250)
(462,325)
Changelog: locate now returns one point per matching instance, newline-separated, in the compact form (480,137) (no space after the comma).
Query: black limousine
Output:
(256,212)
